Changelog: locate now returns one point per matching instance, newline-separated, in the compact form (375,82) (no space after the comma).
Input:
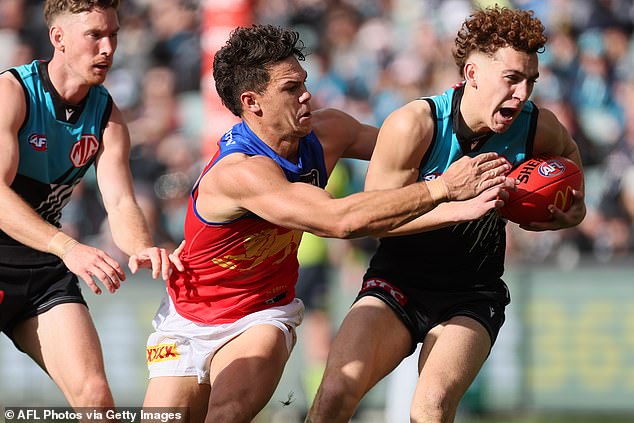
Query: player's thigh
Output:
(66,330)
(248,368)
(359,354)
(451,357)
(177,393)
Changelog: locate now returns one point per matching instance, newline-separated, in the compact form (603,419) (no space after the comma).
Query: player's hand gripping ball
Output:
(542,180)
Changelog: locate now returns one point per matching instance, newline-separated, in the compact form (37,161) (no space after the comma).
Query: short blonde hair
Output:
(54,8)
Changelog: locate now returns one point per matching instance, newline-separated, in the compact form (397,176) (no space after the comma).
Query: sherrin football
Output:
(542,180)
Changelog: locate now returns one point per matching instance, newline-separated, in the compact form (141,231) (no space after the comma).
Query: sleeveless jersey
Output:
(469,255)
(58,143)
(248,264)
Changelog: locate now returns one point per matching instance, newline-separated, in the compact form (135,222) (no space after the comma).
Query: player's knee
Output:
(334,395)
(433,405)
(229,412)
(92,392)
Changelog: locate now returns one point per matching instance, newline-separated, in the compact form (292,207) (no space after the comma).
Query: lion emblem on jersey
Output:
(274,244)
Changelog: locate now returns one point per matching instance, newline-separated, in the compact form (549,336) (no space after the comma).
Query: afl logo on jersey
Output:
(83,150)
(551,168)
(38,142)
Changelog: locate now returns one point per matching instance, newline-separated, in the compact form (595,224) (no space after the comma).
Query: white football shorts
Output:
(180,347)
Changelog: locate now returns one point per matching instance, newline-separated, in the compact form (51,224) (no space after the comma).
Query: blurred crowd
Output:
(367,57)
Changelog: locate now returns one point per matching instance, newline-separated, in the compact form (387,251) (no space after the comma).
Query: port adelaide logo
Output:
(83,150)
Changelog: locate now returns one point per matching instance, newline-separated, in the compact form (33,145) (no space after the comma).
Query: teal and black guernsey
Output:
(58,143)
(470,255)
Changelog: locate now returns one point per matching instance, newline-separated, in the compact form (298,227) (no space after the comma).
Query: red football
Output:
(543,180)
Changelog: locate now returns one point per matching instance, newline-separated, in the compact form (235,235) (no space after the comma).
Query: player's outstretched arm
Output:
(129,228)
(455,212)
(239,183)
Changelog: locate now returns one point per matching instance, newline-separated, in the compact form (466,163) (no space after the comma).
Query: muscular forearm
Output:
(129,228)
(444,215)
(372,213)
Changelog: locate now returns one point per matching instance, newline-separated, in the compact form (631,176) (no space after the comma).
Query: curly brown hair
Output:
(53,8)
(490,29)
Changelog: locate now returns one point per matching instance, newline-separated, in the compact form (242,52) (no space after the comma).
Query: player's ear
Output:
(249,102)
(470,74)
(56,36)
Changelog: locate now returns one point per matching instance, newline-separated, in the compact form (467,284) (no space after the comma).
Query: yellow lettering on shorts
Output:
(161,352)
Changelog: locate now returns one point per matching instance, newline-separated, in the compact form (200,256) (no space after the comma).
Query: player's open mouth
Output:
(507,112)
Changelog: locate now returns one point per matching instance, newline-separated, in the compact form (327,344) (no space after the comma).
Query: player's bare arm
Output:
(18,219)
(552,137)
(455,212)
(403,140)
(238,184)
(127,223)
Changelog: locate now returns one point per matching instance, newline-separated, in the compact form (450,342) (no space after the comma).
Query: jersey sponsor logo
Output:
(83,150)
(376,283)
(37,141)
(551,168)
(162,352)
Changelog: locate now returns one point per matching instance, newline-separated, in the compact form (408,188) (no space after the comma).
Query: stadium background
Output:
(566,352)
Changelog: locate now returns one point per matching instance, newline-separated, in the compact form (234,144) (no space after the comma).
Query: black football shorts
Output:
(30,291)
(421,310)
